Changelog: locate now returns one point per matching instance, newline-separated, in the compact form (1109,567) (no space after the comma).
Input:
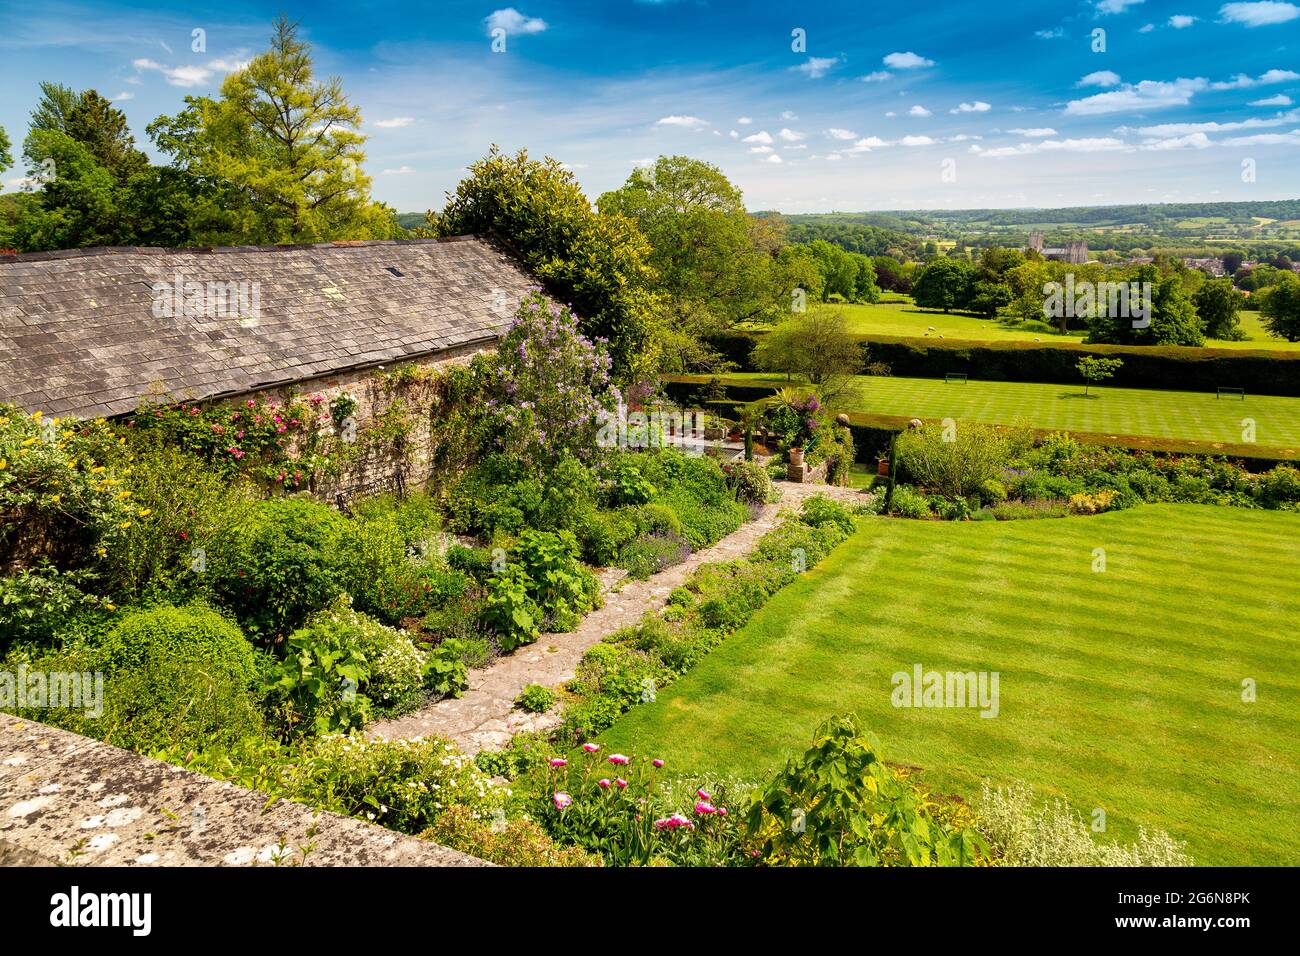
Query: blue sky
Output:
(1009,98)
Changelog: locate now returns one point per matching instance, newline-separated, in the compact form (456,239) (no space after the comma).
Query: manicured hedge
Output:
(1184,369)
(1259,371)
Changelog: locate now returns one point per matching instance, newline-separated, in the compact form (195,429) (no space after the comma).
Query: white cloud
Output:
(877,76)
(761,149)
(397,122)
(1149,94)
(686,122)
(187,76)
(917,141)
(1265,13)
(774,159)
(906,61)
(124,95)
(1055,33)
(817,66)
(788,115)
(399,171)
(837,133)
(1182,129)
(918,110)
(1190,141)
(1180,21)
(1100,78)
(1243,82)
(1265,139)
(1147,29)
(1034,132)
(1098,144)
(891,113)
(790,136)
(977,107)
(1278,99)
(513,22)
(762,136)
(744,121)
(1116,6)
(734,135)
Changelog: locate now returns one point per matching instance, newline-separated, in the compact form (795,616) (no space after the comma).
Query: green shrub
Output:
(317,687)
(476,562)
(749,481)
(284,567)
(853,810)
(603,534)
(446,669)
(394,664)
(536,699)
(405,784)
(43,604)
(818,510)
(505,843)
(651,552)
(509,608)
(175,675)
(627,485)
(474,652)
(561,586)
(907,502)
(955,465)
(1026,832)
(704,523)
(1281,484)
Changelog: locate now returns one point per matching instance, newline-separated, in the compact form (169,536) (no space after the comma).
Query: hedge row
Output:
(1184,369)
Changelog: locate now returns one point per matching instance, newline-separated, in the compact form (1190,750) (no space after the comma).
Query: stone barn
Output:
(95,332)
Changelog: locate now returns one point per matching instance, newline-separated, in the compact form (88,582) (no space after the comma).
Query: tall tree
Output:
(594,260)
(287,143)
(1281,308)
(6,158)
(1217,303)
(93,121)
(944,284)
(715,261)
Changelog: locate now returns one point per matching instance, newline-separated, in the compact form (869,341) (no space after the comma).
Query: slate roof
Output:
(79,334)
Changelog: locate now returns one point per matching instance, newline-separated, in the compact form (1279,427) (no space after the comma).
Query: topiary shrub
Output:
(177,675)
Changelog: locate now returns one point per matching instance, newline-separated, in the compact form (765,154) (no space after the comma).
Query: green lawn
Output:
(1155,413)
(1120,690)
(905,319)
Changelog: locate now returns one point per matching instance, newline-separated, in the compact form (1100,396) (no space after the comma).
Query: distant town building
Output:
(1210,266)
(1074,252)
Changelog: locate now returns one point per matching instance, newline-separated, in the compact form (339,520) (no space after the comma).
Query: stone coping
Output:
(69,800)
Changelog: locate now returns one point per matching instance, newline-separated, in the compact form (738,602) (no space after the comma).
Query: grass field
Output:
(1157,413)
(1120,690)
(905,319)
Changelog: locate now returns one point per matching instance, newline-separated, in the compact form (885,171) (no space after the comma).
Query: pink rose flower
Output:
(620,783)
(657,762)
(703,794)
(591,748)
(704,808)
(559,762)
(561,799)
(604,783)
(617,759)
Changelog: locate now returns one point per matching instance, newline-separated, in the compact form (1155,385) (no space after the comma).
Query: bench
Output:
(954,377)
(1221,391)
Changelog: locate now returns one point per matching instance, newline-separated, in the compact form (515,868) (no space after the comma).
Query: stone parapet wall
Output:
(70,800)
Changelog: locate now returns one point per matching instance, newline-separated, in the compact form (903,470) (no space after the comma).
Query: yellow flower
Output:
(30,441)
(4,463)
(109,607)
(97,469)
(102,551)
(146,513)
(124,524)
(37,414)
(55,499)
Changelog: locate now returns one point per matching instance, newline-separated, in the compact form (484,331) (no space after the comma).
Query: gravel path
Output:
(486,718)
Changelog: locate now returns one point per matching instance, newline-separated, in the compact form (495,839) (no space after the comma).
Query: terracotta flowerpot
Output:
(882,468)
(796,456)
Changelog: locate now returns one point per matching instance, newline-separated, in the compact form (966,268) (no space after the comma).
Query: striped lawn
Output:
(905,319)
(1197,416)
(1120,689)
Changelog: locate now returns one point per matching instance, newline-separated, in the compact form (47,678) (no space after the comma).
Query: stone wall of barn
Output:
(381,465)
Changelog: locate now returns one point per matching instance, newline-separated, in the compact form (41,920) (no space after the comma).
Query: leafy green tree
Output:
(864,282)
(707,250)
(1280,307)
(988,297)
(1173,318)
(1097,368)
(816,348)
(1217,303)
(92,121)
(944,284)
(799,268)
(6,158)
(838,268)
(79,202)
(596,261)
(287,142)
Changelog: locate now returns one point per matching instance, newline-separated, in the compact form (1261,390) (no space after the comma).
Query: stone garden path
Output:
(485,716)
